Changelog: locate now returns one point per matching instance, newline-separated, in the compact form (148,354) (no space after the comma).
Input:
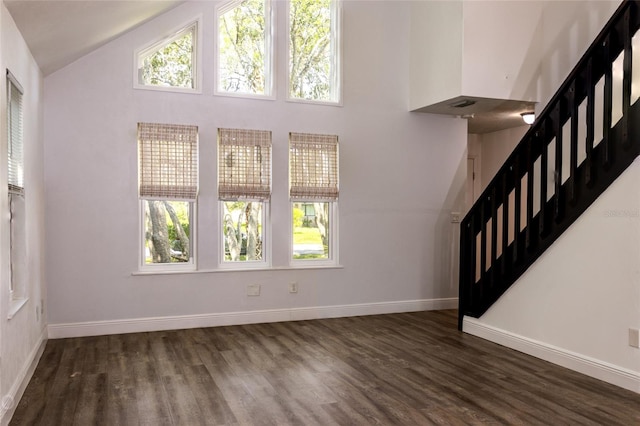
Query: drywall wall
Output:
(437,29)
(401,175)
(495,147)
(568,28)
(22,335)
(500,47)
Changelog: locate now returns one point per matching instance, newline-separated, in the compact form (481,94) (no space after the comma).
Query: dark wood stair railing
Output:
(531,201)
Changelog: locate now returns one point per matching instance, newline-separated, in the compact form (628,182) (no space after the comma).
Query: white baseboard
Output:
(601,370)
(137,325)
(9,401)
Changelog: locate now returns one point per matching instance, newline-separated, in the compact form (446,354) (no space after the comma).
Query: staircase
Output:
(587,135)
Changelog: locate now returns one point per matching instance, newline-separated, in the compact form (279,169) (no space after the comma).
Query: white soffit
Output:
(485,115)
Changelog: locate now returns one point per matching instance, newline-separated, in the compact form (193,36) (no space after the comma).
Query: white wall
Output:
(401,175)
(568,29)
(500,48)
(22,335)
(495,147)
(437,30)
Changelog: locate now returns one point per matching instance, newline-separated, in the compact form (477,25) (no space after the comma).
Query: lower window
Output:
(167,232)
(243,231)
(312,231)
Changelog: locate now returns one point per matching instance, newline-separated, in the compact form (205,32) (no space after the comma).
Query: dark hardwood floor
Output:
(401,369)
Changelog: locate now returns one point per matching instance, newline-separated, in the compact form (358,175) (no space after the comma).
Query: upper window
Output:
(244,48)
(15,179)
(313,175)
(170,63)
(244,189)
(314,50)
(168,189)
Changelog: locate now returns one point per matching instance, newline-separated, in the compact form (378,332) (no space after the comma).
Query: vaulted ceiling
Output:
(60,31)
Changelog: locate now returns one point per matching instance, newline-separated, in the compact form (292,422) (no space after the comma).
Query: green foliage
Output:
(242,48)
(298,218)
(306,236)
(310,256)
(172,64)
(310,58)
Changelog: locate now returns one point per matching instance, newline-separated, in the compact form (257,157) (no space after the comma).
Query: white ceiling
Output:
(60,31)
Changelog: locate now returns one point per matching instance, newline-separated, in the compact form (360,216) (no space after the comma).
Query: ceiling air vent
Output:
(462,103)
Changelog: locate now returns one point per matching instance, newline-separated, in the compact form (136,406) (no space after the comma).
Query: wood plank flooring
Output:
(400,369)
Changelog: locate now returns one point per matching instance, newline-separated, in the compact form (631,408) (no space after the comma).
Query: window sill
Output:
(242,95)
(15,306)
(169,89)
(315,102)
(216,271)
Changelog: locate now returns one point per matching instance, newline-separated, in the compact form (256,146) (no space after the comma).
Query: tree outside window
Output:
(167,231)
(170,63)
(242,225)
(244,48)
(313,50)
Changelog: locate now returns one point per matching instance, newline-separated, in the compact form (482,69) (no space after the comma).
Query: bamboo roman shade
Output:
(244,164)
(15,173)
(313,167)
(168,161)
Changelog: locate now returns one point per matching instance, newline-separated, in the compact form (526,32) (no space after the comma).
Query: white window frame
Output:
(18,291)
(269,61)
(330,261)
(166,39)
(266,240)
(191,265)
(336,47)
(152,188)
(244,187)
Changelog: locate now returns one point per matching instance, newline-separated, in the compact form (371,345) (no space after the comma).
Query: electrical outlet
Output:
(634,337)
(456,217)
(293,287)
(253,290)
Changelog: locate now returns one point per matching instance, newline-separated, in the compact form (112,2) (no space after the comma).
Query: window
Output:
(244,48)
(314,50)
(244,190)
(168,189)
(170,62)
(313,175)
(15,179)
